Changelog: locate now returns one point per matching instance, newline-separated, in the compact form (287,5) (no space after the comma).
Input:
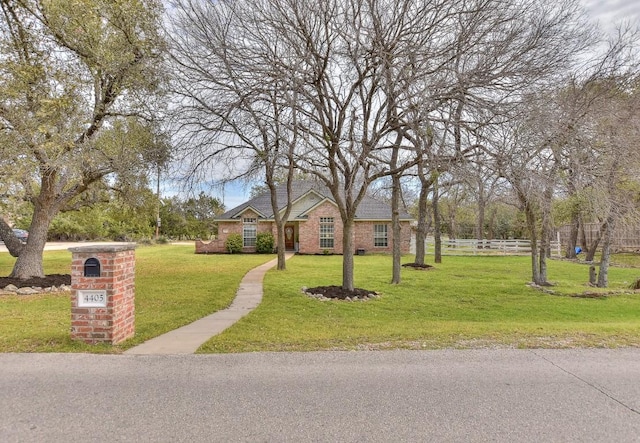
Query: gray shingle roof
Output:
(369,208)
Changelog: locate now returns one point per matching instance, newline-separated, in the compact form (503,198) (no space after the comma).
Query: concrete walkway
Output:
(187,339)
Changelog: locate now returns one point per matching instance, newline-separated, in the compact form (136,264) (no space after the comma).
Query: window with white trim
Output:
(380,236)
(249,231)
(326,232)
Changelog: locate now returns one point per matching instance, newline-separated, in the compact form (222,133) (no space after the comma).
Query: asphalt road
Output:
(462,396)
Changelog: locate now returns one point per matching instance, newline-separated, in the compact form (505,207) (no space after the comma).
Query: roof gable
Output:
(307,195)
(320,202)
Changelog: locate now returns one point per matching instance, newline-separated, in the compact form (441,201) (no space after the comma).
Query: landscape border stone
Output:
(32,290)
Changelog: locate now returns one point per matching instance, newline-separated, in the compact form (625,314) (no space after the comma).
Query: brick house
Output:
(314,224)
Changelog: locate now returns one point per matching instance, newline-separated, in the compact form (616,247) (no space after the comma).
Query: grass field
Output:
(174,287)
(465,302)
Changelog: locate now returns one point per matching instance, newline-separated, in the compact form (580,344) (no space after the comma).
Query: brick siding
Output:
(115,322)
(225,229)
(364,236)
(308,233)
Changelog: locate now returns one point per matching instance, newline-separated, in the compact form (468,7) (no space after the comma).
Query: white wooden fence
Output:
(485,247)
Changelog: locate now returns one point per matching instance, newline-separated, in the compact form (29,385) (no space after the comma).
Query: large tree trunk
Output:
(593,247)
(421,229)
(542,265)
(482,204)
(280,240)
(574,225)
(395,213)
(603,274)
(545,237)
(583,237)
(395,228)
(280,222)
(280,219)
(531,225)
(437,226)
(29,262)
(535,270)
(281,246)
(572,241)
(347,255)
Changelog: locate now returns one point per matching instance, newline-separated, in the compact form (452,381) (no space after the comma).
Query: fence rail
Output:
(487,247)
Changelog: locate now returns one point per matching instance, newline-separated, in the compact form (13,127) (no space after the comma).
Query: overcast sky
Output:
(609,11)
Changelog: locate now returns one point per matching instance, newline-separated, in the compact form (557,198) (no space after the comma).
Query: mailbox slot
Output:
(92,268)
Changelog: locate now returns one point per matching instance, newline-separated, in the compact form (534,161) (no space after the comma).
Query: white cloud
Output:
(608,12)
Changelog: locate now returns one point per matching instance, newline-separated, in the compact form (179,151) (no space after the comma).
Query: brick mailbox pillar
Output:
(103,293)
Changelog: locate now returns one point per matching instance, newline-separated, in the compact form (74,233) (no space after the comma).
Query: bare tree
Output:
(235,107)
(574,130)
(495,56)
(350,112)
(579,106)
(427,180)
(616,180)
(359,80)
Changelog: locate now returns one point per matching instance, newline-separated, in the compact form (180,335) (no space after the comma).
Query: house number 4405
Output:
(92,299)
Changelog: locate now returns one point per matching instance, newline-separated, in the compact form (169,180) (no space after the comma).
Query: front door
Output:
(289,238)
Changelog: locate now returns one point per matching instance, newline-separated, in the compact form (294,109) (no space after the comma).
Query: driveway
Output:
(394,396)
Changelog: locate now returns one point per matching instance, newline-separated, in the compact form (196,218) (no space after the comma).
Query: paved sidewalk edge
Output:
(187,339)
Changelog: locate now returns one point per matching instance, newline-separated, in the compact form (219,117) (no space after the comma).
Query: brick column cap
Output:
(104,248)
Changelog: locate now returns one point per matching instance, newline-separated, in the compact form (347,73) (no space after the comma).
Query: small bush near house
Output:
(264,243)
(233,245)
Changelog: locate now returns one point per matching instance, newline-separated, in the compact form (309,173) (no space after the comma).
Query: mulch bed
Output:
(417,266)
(336,292)
(46,282)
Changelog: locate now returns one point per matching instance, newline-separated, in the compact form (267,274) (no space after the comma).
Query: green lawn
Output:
(464,302)
(174,287)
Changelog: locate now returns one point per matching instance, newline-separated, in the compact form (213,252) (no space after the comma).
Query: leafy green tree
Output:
(190,218)
(174,224)
(200,214)
(119,211)
(131,219)
(87,223)
(76,79)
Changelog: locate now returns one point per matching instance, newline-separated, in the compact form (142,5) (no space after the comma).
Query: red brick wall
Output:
(363,236)
(309,231)
(225,229)
(235,227)
(115,322)
(212,247)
